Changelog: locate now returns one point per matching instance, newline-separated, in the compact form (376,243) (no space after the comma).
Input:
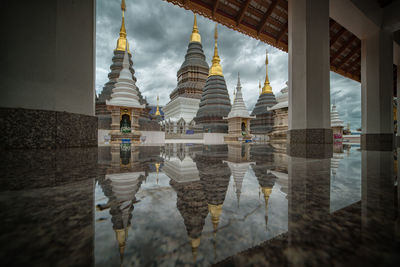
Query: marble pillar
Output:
(376,90)
(309,92)
(398,103)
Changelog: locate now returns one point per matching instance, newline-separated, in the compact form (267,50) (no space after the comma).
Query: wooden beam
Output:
(215,7)
(282,33)
(349,68)
(336,36)
(242,10)
(266,16)
(350,55)
(342,48)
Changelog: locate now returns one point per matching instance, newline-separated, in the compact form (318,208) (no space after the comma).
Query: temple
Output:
(336,124)
(214,102)
(238,119)
(124,106)
(104,115)
(185,98)
(262,124)
(280,117)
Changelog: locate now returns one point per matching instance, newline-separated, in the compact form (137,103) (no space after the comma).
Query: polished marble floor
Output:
(183,205)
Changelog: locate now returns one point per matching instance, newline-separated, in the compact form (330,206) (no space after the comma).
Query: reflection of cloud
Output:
(159,45)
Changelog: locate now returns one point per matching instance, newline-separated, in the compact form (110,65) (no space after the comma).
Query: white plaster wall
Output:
(48,58)
(154,137)
(214,138)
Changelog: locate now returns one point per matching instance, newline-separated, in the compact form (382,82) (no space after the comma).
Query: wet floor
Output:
(182,205)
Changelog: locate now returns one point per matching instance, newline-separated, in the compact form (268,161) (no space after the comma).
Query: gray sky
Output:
(158,35)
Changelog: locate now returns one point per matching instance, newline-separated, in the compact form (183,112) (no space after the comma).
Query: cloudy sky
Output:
(158,34)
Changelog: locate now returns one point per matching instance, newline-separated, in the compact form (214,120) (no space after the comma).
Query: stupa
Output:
(185,98)
(103,114)
(280,117)
(262,124)
(238,119)
(125,107)
(214,102)
(239,162)
(337,125)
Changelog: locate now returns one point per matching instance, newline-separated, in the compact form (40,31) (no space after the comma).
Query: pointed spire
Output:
(216,68)
(238,86)
(122,43)
(121,236)
(215,211)
(158,112)
(259,87)
(195,37)
(195,243)
(267,87)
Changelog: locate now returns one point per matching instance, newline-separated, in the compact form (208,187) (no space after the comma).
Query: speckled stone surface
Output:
(377,141)
(310,136)
(27,128)
(61,208)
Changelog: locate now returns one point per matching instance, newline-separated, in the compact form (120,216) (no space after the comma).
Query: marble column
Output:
(377,194)
(398,103)
(377,91)
(309,91)
(308,207)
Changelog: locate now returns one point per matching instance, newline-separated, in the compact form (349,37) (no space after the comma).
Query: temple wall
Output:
(49,57)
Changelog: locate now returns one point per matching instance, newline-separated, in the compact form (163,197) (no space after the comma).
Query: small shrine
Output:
(125,107)
(238,119)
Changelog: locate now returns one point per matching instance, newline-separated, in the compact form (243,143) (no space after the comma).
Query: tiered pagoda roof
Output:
(335,120)
(193,73)
(263,122)
(239,108)
(214,102)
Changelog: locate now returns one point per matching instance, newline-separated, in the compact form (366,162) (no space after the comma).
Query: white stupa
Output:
(125,93)
(335,120)
(239,109)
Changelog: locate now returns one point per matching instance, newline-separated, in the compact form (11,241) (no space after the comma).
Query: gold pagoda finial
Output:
(122,43)
(122,236)
(195,37)
(267,89)
(157,170)
(158,108)
(216,68)
(195,243)
(215,211)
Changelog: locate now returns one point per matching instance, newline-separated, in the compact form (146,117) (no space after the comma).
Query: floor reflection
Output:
(182,204)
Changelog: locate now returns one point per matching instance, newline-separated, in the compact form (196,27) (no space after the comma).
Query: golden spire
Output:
(266,192)
(122,236)
(216,68)
(157,168)
(158,110)
(122,43)
(195,243)
(195,37)
(267,88)
(215,211)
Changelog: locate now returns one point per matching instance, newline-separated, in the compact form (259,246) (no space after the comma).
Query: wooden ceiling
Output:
(267,20)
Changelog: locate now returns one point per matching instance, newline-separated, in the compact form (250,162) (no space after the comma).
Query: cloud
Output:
(158,35)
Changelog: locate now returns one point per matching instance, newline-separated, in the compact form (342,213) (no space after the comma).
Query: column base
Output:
(380,142)
(36,129)
(310,136)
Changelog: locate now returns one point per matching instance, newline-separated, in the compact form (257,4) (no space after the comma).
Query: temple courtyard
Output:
(200,133)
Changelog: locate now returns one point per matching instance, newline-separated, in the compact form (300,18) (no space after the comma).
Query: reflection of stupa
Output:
(192,205)
(238,162)
(120,185)
(178,165)
(215,175)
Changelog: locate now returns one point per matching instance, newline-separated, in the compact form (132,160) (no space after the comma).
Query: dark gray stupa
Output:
(193,73)
(263,122)
(214,103)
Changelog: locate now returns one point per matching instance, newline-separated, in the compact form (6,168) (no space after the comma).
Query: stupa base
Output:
(119,138)
(237,138)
